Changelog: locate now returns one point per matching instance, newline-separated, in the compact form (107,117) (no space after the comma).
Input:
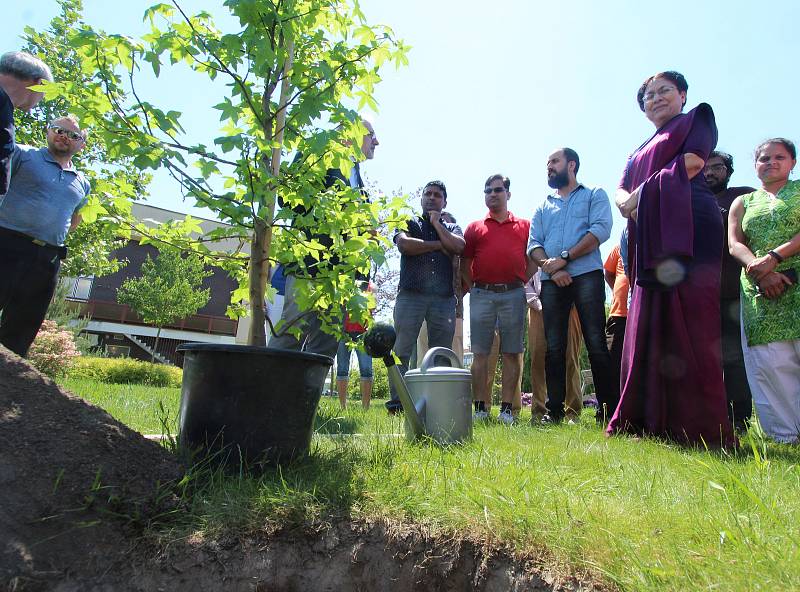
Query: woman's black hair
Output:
(675,77)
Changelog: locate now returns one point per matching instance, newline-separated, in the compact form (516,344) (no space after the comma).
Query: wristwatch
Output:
(565,255)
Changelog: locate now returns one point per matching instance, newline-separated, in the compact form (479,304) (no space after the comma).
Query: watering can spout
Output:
(378,342)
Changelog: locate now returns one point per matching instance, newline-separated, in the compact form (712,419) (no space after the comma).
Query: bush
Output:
(126,371)
(53,352)
(380,381)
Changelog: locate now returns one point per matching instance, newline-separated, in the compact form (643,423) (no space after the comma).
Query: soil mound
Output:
(77,488)
(73,479)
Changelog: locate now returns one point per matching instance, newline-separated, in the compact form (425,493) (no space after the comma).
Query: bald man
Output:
(18,72)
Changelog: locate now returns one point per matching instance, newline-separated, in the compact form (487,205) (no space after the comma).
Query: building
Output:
(118,331)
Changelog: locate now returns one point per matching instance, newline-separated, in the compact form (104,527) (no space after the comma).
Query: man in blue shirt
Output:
(427,248)
(18,72)
(566,232)
(41,206)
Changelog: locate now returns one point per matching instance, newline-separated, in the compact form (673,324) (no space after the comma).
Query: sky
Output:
(496,86)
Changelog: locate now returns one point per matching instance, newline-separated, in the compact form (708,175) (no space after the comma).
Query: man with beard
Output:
(495,268)
(40,208)
(427,248)
(566,232)
(18,72)
(718,171)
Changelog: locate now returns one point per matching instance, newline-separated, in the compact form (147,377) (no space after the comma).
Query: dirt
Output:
(78,490)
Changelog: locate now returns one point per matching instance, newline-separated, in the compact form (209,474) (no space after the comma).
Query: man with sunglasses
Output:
(427,247)
(718,171)
(18,72)
(566,233)
(495,269)
(39,209)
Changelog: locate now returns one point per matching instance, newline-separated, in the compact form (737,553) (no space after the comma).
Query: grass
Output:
(642,515)
(137,406)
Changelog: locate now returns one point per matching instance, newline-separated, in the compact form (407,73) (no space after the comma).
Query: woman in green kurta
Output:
(764,235)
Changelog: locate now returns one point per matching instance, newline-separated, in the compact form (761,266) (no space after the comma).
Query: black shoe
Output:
(394,410)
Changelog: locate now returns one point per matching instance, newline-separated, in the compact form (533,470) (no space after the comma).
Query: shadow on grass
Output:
(332,421)
(325,483)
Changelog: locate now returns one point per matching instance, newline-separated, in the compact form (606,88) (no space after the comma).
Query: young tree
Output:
(293,72)
(167,290)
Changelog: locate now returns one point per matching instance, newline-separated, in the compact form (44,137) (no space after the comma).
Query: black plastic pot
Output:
(247,404)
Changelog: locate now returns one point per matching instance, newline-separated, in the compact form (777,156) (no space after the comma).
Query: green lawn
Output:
(642,515)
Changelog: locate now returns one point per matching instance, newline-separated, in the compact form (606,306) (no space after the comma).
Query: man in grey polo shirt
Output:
(18,72)
(566,232)
(41,206)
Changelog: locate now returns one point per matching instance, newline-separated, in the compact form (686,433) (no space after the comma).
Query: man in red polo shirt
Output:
(495,268)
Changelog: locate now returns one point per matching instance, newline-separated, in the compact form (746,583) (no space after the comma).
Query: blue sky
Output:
(494,92)
(493,87)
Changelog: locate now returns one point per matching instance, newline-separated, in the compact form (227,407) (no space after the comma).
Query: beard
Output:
(717,187)
(559,180)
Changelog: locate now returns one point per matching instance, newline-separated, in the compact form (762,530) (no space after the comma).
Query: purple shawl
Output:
(665,227)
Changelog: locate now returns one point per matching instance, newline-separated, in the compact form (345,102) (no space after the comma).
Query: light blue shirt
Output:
(558,224)
(42,197)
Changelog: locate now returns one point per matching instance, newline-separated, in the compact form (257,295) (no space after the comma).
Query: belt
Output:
(62,251)
(499,287)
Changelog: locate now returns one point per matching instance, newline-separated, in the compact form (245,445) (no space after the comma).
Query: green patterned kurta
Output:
(769,222)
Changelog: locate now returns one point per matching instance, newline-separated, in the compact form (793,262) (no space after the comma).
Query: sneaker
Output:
(481,415)
(506,417)
(550,420)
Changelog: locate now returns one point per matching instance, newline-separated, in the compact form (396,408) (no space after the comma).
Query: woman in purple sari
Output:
(671,376)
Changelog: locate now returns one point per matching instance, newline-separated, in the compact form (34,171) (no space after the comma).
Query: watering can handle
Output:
(427,361)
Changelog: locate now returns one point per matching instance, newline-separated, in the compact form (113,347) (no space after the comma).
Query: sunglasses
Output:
(65,132)
(488,190)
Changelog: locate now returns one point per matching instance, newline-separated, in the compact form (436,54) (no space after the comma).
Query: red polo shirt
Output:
(497,249)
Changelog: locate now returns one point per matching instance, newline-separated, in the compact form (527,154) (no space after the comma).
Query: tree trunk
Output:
(262,236)
(155,347)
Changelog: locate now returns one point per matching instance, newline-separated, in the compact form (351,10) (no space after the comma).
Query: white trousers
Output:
(773,372)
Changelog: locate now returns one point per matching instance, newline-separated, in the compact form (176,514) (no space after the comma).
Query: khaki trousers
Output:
(573,403)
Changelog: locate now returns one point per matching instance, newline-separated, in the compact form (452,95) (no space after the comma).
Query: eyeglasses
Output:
(65,132)
(661,92)
(430,193)
(488,190)
(716,167)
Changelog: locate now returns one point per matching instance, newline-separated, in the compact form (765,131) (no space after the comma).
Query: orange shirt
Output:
(619,298)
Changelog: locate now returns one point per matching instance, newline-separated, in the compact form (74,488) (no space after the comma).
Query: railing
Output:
(99,310)
(166,347)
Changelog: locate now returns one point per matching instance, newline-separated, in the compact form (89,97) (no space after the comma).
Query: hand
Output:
(773,284)
(434,216)
(627,202)
(561,278)
(552,265)
(761,266)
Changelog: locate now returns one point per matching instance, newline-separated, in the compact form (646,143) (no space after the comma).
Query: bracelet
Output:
(775,256)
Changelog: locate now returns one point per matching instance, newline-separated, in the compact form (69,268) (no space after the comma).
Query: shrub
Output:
(126,371)
(380,381)
(53,352)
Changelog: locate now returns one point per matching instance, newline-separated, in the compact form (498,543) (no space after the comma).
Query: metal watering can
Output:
(437,400)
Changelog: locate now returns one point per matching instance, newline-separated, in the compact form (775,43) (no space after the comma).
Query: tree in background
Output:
(167,290)
(115,180)
(289,78)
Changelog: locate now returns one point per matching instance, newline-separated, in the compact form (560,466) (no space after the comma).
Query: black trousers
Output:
(737,390)
(28,275)
(615,337)
(587,293)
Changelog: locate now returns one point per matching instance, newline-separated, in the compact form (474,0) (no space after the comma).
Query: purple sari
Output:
(671,376)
